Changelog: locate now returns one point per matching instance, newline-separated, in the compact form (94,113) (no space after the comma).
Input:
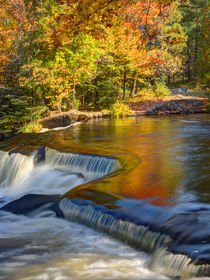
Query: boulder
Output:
(83,117)
(32,202)
(60,120)
(106,114)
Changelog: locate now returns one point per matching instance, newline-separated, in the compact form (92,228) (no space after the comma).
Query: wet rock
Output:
(97,115)
(106,114)
(73,114)
(31,202)
(180,91)
(40,155)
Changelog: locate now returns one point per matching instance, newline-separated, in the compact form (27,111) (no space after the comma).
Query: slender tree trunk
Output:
(169,80)
(19,41)
(183,77)
(188,62)
(97,99)
(59,105)
(74,96)
(124,84)
(19,34)
(134,86)
(173,80)
(196,40)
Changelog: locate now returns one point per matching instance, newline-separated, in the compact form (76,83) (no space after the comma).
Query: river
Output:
(161,163)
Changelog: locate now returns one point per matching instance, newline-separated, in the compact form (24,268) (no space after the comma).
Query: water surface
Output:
(164,163)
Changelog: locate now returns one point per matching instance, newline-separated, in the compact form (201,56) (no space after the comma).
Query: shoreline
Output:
(181,106)
(176,105)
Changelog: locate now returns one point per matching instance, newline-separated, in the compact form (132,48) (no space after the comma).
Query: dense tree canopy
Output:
(71,54)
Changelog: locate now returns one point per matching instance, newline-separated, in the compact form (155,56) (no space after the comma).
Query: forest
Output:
(57,55)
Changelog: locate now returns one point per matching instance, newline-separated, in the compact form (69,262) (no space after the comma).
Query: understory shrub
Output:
(147,93)
(32,127)
(120,109)
(161,89)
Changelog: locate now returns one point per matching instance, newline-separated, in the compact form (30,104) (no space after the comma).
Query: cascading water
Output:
(14,168)
(112,223)
(120,226)
(56,174)
(90,166)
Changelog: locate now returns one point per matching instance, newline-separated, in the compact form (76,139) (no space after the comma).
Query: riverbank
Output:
(159,107)
(170,105)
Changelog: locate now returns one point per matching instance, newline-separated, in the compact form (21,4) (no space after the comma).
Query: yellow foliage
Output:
(120,109)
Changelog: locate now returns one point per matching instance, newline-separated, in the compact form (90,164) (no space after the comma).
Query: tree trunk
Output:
(134,87)
(19,35)
(59,106)
(74,96)
(196,39)
(188,62)
(169,80)
(124,84)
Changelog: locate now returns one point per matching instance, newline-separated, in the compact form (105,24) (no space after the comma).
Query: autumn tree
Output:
(202,62)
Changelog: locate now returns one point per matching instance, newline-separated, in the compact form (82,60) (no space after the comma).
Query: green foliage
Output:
(147,93)
(161,89)
(193,13)
(120,109)
(18,110)
(203,62)
(76,54)
(31,127)
(106,92)
(100,93)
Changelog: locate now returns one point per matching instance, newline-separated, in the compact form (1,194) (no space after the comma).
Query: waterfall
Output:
(116,224)
(89,165)
(113,223)
(14,167)
(47,171)
(177,265)
(54,172)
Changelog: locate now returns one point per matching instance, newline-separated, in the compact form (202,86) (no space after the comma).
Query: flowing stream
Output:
(107,199)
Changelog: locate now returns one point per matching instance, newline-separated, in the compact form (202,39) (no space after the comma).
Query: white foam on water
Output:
(47,180)
(90,166)
(19,176)
(14,168)
(57,175)
(59,128)
(137,235)
(45,247)
(52,248)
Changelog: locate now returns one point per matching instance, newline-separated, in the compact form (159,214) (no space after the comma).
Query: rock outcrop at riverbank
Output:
(169,107)
(67,118)
(142,108)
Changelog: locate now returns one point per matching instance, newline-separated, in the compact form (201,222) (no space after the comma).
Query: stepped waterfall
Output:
(51,173)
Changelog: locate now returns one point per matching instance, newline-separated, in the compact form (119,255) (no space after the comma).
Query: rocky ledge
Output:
(188,105)
(67,118)
(168,107)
